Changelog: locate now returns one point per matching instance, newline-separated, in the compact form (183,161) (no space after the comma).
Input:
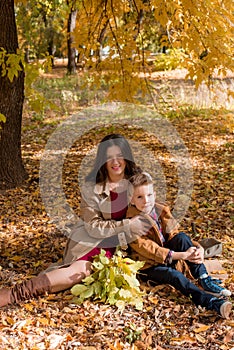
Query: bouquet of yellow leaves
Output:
(113,281)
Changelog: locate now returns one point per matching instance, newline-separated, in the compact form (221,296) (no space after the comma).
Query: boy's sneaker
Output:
(221,306)
(210,286)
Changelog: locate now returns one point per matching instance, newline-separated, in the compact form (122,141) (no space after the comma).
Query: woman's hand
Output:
(139,226)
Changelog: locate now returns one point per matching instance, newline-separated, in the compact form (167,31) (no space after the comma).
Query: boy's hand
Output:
(139,227)
(193,254)
(198,256)
(189,253)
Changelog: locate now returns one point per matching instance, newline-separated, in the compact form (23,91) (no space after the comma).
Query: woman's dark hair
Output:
(99,172)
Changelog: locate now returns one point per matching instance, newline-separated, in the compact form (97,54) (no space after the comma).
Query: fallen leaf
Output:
(183,339)
(153,300)
(219,272)
(228,337)
(201,329)
(200,339)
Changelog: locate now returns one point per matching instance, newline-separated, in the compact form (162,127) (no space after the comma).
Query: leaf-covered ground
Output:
(30,242)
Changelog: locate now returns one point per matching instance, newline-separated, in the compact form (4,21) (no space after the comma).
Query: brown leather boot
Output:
(26,290)
(5,298)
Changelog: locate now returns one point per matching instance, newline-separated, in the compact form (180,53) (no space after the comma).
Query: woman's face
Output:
(115,164)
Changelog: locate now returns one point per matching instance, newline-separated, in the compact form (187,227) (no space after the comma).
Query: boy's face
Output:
(144,198)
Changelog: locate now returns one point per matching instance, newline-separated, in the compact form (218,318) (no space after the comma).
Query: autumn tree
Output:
(71,24)
(129,31)
(201,30)
(40,27)
(12,172)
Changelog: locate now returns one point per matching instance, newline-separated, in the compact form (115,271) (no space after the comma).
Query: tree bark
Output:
(100,41)
(71,24)
(12,172)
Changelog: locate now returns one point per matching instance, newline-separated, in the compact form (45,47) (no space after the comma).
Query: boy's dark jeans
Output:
(164,274)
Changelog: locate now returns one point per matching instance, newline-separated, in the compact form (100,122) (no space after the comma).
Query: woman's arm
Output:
(97,226)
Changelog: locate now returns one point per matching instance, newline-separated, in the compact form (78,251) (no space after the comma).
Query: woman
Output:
(103,209)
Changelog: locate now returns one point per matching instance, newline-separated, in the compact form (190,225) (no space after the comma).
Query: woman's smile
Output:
(115,164)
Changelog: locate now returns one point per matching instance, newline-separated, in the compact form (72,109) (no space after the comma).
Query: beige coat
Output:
(95,224)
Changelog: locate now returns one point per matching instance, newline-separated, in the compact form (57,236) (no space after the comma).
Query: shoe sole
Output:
(219,295)
(225,309)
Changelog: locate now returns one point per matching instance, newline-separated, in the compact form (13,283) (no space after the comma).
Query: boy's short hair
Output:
(141,179)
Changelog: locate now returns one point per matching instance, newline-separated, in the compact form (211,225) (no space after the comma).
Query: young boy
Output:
(165,251)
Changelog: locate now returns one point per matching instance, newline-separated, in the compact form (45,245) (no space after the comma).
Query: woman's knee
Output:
(66,277)
(77,271)
(80,267)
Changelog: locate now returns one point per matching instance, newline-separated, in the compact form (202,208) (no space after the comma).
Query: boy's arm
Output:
(170,229)
(149,250)
(169,224)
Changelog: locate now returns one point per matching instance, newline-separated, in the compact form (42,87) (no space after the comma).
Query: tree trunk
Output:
(100,41)
(12,172)
(71,24)
(49,37)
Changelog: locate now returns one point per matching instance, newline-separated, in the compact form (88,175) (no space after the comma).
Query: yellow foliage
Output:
(20,2)
(203,32)
(2,118)
(10,64)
